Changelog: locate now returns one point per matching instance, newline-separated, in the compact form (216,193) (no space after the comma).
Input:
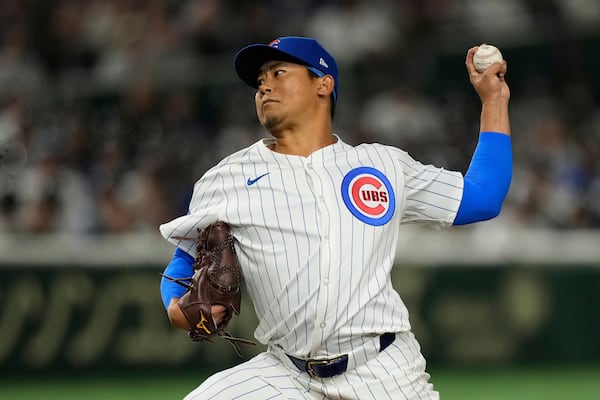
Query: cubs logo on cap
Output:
(295,49)
(368,195)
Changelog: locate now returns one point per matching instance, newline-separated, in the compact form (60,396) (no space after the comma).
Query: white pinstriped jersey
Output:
(317,236)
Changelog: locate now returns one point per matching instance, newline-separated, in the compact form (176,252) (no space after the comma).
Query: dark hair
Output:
(331,102)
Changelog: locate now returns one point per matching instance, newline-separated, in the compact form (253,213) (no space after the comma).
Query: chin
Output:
(271,123)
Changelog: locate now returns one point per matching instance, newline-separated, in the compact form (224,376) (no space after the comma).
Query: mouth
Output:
(268,101)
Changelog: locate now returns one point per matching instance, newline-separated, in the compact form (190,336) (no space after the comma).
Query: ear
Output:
(326,85)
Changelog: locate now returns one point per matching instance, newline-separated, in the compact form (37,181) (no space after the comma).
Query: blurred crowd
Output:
(111,109)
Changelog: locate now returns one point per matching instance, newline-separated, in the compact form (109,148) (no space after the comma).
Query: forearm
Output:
(180,266)
(494,116)
(487,180)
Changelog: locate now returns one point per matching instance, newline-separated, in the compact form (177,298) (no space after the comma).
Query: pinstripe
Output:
(319,276)
(263,243)
(263,300)
(355,295)
(294,241)
(309,250)
(338,234)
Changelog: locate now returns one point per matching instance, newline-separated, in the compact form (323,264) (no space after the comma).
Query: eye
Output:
(275,73)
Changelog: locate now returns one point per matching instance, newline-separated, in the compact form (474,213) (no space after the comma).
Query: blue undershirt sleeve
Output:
(180,266)
(487,180)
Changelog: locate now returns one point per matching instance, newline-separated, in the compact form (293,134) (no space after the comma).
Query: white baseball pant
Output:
(396,373)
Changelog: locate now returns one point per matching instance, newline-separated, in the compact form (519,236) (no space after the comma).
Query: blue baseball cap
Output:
(296,49)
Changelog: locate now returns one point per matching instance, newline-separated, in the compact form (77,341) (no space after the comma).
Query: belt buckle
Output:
(328,361)
(311,363)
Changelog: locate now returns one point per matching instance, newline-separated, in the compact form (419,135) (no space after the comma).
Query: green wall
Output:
(94,318)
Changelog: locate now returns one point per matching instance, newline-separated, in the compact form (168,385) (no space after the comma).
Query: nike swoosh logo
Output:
(253,181)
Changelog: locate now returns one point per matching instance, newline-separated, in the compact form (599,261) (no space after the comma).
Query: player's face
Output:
(285,92)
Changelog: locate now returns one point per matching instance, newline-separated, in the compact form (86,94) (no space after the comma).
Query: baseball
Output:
(485,56)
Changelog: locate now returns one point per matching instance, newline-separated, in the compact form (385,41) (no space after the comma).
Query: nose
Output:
(264,89)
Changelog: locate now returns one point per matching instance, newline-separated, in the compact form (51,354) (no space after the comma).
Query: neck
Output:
(302,145)
(305,139)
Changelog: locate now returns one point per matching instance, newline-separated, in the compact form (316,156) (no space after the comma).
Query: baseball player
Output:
(316,222)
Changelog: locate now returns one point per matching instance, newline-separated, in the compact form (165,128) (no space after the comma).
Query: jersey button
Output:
(323,325)
(326,281)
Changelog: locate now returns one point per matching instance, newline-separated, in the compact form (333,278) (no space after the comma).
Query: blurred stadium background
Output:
(111,109)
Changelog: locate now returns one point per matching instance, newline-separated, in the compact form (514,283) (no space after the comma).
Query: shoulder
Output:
(381,149)
(228,167)
(391,156)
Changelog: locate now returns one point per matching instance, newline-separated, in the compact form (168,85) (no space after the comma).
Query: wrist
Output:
(501,102)
(494,117)
(176,315)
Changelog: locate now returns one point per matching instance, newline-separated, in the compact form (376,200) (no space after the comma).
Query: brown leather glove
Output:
(216,281)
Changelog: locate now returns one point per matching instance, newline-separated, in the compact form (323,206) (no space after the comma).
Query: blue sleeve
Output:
(180,266)
(487,180)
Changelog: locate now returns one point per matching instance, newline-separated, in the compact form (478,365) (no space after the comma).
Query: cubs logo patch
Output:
(369,195)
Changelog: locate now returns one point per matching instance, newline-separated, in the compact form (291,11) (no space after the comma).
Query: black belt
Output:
(326,368)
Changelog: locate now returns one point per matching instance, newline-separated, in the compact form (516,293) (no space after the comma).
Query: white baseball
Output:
(485,56)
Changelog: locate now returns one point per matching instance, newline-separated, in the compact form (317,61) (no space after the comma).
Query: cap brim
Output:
(250,59)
